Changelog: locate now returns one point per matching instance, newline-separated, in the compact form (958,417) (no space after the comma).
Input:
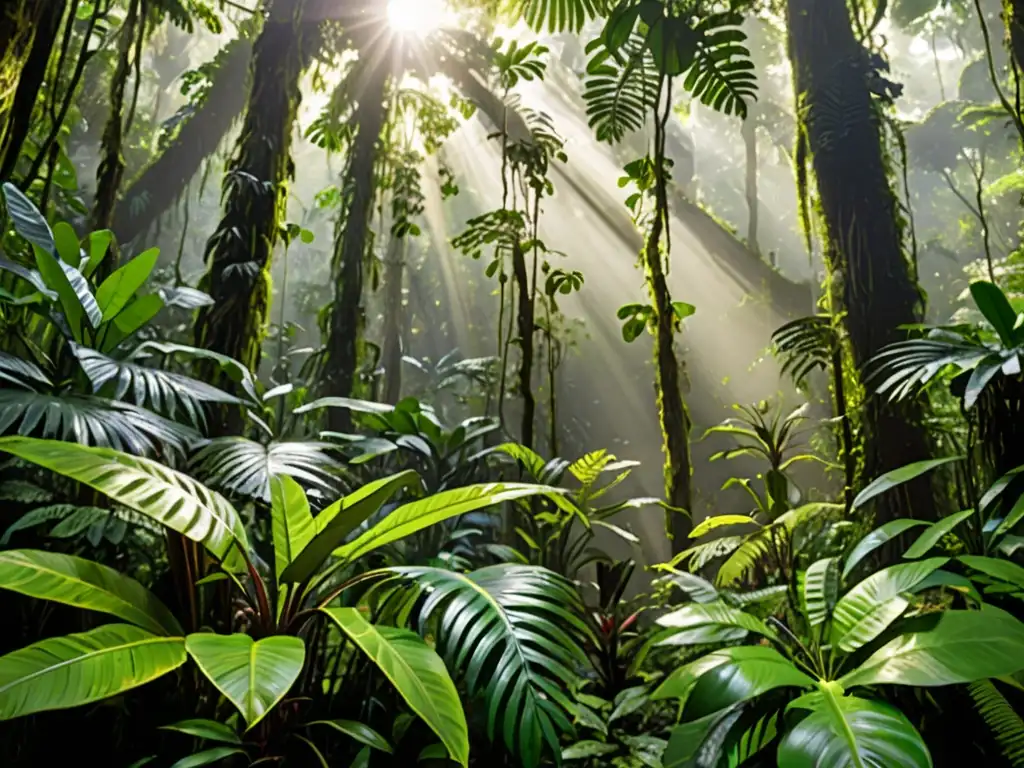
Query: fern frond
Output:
(1006,725)
(556,15)
(621,88)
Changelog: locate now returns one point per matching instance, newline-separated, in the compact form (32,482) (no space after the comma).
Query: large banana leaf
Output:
(237,466)
(511,632)
(90,420)
(82,668)
(416,671)
(847,732)
(167,496)
(291,521)
(254,676)
(864,612)
(962,646)
(84,584)
(417,515)
(877,538)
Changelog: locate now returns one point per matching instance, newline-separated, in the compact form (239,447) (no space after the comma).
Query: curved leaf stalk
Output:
(255,189)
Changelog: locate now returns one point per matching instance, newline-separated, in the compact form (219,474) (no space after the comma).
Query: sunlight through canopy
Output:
(417,16)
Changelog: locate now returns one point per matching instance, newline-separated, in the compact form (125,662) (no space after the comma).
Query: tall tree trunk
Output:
(15,129)
(749,131)
(524,327)
(111,167)
(167,178)
(345,321)
(394,319)
(1013,16)
(256,191)
(19,23)
(871,276)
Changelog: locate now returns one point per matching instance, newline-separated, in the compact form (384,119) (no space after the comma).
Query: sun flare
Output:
(417,16)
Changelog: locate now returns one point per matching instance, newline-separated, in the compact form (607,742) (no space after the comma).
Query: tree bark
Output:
(346,319)
(256,191)
(524,327)
(394,319)
(19,23)
(870,273)
(30,82)
(749,131)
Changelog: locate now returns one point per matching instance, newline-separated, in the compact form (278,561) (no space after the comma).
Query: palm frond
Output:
(21,372)
(556,15)
(722,74)
(510,632)
(241,467)
(805,344)
(164,392)
(1006,725)
(620,89)
(92,421)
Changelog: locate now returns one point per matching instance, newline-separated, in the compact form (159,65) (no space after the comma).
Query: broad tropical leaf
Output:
(997,568)
(84,584)
(336,522)
(121,286)
(511,632)
(360,732)
(934,534)
(416,671)
(720,521)
(854,733)
(164,495)
(91,420)
(899,476)
(556,15)
(208,757)
(680,683)
(78,669)
(717,614)
(864,612)
(621,88)
(292,523)
(821,589)
(962,646)
(205,729)
(254,675)
(875,539)
(164,392)
(416,515)
(241,467)
(740,679)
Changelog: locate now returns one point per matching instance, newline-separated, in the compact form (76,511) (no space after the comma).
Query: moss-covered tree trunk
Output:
(345,316)
(239,253)
(15,128)
(19,23)
(394,319)
(870,273)
(524,329)
(111,167)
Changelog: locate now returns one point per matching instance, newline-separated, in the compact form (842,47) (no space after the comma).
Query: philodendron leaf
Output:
(84,584)
(417,673)
(962,646)
(164,495)
(847,732)
(72,670)
(864,612)
(291,521)
(254,675)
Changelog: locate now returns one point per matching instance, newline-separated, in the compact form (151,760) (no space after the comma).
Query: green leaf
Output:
(582,750)
(821,588)
(120,288)
(360,732)
(864,612)
(77,669)
(681,681)
(423,513)
(934,533)
(132,318)
(97,245)
(336,522)
(877,538)
(28,221)
(416,671)
(65,242)
(899,476)
(205,729)
(961,647)
(84,584)
(76,300)
(164,495)
(291,521)
(207,756)
(1004,570)
(714,614)
(847,732)
(720,521)
(994,305)
(254,676)
(740,679)
(513,633)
